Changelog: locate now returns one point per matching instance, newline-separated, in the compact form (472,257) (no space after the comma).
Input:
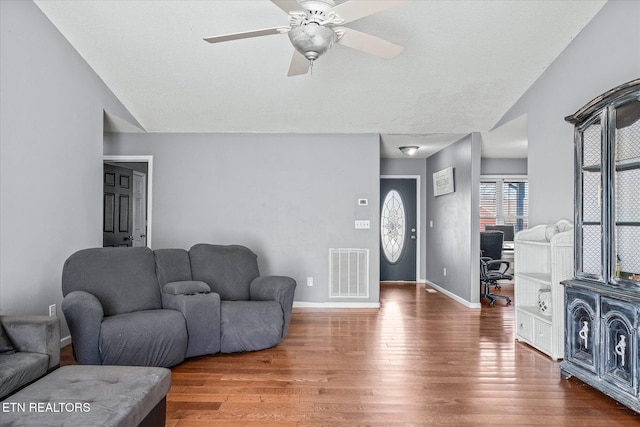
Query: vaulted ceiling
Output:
(465,63)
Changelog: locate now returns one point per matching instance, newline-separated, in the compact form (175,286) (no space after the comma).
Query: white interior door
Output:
(139,209)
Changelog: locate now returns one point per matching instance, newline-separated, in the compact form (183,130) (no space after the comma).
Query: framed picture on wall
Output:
(443,182)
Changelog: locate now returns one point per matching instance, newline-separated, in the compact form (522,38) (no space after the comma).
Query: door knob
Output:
(413,237)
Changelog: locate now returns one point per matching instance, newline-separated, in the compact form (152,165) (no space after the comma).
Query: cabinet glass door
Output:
(626,251)
(589,210)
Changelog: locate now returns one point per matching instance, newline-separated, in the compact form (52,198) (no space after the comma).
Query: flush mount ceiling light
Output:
(409,150)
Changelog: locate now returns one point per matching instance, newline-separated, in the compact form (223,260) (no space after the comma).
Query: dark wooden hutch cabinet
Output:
(602,301)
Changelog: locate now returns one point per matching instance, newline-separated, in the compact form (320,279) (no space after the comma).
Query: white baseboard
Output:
(304,304)
(65,341)
(454,296)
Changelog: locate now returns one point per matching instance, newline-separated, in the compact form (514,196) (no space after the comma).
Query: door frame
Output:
(143,177)
(418,229)
(148,159)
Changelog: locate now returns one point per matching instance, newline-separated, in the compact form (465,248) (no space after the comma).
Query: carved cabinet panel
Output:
(582,344)
(619,340)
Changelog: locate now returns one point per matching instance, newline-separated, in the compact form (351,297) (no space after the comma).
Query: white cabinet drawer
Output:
(543,335)
(524,326)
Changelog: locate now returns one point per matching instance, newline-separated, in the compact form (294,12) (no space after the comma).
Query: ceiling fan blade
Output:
(288,5)
(299,64)
(356,9)
(246,34)
(369,44)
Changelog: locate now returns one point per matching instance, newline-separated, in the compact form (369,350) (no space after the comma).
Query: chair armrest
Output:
(201,312)
(35,334)
(187,287)
(501,270)
(275,288)
(84,314)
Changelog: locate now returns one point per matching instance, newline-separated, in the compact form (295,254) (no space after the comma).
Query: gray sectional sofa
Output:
(29,348)
(135,306)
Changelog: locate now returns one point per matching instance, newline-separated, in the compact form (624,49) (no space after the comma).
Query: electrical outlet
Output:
(445,271)
(53,312)
(309,281)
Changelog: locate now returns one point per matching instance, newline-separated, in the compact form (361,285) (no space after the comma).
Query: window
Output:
(504,201)
(392,226)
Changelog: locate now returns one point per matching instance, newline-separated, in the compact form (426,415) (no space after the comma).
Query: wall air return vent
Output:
(349,273)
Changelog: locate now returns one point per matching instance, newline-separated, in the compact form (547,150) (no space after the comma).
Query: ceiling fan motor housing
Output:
(319,5)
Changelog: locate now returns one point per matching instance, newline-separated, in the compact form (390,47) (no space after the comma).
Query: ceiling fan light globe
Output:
(312,40)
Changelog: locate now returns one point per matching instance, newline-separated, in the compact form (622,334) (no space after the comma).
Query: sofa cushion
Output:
(250,325)
(5,345)
(19,369)
(228,270)
(172,265)
(144,338)
(123,279)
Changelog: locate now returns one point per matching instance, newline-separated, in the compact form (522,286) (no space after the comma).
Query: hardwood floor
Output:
(421,360)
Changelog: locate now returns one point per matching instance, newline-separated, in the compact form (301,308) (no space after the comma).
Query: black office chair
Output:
(508,231)
(492,267)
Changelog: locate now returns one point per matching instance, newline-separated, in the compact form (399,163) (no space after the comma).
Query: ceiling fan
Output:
(315,25)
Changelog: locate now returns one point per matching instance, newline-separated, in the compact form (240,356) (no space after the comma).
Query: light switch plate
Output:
(363,224)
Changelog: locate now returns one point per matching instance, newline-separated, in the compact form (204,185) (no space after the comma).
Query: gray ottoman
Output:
(87,395)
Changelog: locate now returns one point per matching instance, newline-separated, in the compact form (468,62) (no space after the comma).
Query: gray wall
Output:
(454,240)
(289,197)
(412,167)
(605,54)
(490,166)
(51,113)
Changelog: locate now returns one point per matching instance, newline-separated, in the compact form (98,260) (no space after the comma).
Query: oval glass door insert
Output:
(392,226)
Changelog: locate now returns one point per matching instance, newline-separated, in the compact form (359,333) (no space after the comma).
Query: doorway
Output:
(399,228)
(127,219)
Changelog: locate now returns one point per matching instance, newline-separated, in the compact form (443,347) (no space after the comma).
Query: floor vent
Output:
(349,273)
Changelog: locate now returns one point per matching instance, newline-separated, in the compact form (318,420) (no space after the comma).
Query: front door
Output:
(117,206)
(398,229)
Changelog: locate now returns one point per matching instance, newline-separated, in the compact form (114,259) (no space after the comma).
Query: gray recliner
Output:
(116,313)
(255,311)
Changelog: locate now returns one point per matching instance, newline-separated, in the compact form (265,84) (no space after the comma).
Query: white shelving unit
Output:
(543,257)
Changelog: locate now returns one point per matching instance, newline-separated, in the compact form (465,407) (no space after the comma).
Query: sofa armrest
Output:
(35,334)
(201,312)
(84,314)
(275,288)
(187,287)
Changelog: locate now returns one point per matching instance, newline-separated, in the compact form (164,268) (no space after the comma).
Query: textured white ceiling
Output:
(465,64)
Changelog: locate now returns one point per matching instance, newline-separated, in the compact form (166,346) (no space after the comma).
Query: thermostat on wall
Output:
(363,202)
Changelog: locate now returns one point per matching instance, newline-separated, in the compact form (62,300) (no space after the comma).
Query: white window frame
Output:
(500,180)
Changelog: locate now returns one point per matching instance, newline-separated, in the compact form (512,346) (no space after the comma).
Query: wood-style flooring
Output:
(422,359)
